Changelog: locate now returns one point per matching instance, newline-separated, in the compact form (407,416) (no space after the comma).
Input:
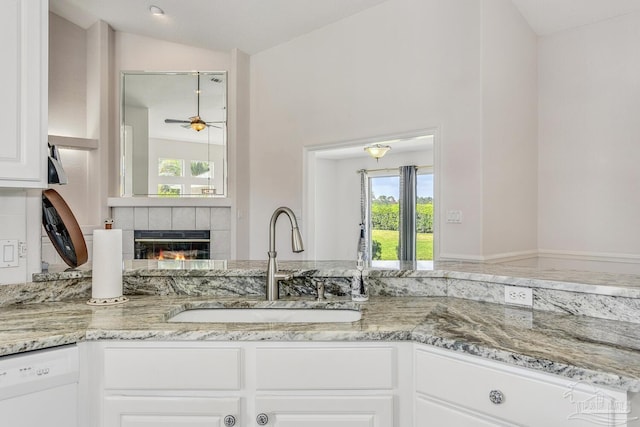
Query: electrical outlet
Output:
(518,296)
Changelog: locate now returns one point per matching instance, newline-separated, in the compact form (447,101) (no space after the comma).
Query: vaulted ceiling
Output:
(255,25)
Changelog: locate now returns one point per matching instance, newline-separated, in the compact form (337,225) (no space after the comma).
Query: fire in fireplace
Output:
(171,244)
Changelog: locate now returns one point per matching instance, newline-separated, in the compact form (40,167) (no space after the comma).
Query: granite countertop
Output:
(593,350)
(592,282)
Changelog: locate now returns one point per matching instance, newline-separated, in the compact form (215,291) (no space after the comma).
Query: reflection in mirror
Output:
(174,134)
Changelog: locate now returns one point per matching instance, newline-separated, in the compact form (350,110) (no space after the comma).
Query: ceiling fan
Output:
(195,122)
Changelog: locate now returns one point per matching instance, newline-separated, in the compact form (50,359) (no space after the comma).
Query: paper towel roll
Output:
(106,279)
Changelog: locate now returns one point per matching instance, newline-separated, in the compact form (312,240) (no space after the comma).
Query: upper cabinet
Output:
(24,28)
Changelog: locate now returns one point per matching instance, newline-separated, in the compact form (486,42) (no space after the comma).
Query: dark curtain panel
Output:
(408,182)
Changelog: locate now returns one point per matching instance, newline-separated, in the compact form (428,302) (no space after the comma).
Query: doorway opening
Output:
(334,199)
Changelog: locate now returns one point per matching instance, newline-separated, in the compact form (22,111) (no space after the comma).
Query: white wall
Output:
(68,110)
(509,132)
(588,139)
(138,119)
(394,68)
(337,201)
(19,208)
(67,78)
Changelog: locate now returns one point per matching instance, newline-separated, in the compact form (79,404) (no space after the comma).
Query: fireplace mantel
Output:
(212,202)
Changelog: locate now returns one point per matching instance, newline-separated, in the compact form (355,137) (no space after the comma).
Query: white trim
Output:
(511,256)
(590,256)
(308,185)
(614,258)
(458,257)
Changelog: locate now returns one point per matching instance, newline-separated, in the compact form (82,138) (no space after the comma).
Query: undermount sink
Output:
(266,315)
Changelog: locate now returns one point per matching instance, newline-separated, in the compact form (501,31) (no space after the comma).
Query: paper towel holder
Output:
(99,298)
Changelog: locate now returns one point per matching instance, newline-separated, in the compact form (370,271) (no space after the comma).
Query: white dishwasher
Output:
(40,388)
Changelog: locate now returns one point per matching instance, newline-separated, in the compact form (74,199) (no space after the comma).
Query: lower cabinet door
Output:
(432,414)
(143,411)
(323,411)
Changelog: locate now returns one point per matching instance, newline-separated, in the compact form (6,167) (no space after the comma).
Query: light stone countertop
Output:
(597,351)
(566,279)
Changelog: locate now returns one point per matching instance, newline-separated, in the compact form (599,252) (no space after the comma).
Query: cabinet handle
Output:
(229,421)
(262,419)
(496,397)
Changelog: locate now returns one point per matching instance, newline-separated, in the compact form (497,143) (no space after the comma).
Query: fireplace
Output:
(171,244)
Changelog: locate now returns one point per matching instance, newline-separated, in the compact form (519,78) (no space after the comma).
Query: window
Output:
(384,205)
(169,190)
(424,216)
(175,180)
(170,167)
(385,217)
(201,169)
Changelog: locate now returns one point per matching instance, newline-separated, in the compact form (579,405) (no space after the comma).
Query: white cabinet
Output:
(337,384)
(459,388)
(143,384)
(24,26)
(309,385)
(157,384)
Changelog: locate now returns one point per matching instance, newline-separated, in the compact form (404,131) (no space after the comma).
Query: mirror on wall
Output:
(174,134)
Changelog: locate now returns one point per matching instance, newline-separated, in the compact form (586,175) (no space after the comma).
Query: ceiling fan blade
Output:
(176,121)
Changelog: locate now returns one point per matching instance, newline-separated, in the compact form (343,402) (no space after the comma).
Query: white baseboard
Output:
(511,256)
(496,258)
(457,257)
(590,256)
(549,254)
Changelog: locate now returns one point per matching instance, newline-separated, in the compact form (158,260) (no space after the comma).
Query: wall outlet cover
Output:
(9,253)
(518,295)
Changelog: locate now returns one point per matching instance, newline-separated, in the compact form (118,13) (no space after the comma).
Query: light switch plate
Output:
(9,253)
(454,217)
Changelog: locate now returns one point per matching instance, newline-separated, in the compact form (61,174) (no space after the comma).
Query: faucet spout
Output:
(273,277)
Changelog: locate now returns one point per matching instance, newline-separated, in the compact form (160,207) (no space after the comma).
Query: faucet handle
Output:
(283,276)
(320,290)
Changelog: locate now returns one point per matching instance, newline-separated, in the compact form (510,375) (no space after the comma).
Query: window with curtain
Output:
(401,214)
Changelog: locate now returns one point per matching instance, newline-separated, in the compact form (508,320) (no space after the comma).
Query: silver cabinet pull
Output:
(262,419)
(229,421)
(496,397)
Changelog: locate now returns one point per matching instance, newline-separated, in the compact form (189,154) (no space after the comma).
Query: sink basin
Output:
(266,315)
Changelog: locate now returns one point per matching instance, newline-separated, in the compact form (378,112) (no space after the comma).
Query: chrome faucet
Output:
(273,277)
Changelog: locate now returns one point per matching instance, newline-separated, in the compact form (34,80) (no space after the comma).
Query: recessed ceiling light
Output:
(155,10)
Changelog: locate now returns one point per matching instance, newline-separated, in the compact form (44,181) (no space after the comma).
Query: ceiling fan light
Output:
(198,124)
(377,150)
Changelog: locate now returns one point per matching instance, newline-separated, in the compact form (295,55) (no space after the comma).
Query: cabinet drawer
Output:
(432,414)
(172,368)
(529,399)
(323,368)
